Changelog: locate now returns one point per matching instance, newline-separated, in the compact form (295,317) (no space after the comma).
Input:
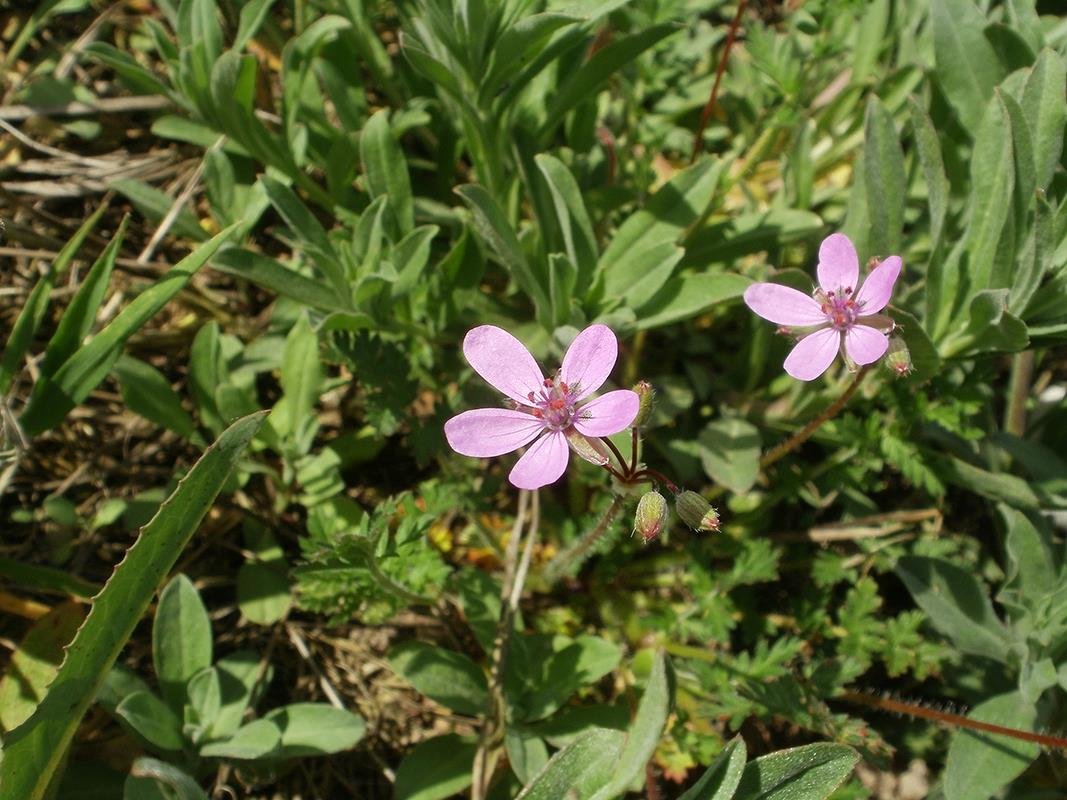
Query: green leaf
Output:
(34,750)
(301,376)
(154,205)
(552,668)
(160,772)
(727,240)
(980,763)
(811,772)
(574,223)
(45,579)
(645,732)
(203,701)
(527,752)
(445,676)
(956,603)
(648,271)
(493,227)
(238,674)
(722,777)
(1046,112)
(992,183)
(435,769)
(967,64)
(34,664)
(886,179)
(562,278)
(586,81)
(928,149)
(385,169)
(253,12)
(78,317)
(729,452)
(181,638)
(146,391)
(309,231)
(315,729)
(579,769)
(276,277)
(32,314)
(54,397)
(676,207)
(518,45)
(1032,572)
(152,719)
(258,739)
(263,592)
(140,78)
(999,486)
(686,296)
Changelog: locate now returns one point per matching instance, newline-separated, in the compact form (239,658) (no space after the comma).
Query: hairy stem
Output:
(801,436)
(574,555)
(1022,373)
(952,720)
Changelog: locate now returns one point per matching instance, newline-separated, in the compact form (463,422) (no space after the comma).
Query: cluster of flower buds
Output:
(692,508)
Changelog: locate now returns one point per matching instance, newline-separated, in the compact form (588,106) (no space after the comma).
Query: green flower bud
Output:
(644,390)
(696,512)
(898,357)
(651,516)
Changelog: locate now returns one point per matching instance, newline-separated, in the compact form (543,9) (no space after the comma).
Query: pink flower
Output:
(548,410)
(838,316)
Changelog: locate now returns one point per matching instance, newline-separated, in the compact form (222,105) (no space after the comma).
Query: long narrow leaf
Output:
(34,751)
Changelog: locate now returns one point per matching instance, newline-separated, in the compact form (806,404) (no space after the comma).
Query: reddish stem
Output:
(955,720)
(709,108)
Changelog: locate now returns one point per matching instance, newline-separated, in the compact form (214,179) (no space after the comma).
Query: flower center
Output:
(839,307)
(555,403)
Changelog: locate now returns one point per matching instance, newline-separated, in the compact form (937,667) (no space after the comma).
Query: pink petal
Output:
(813,354)
(503,361)
(839,266)
(589,360)
(874,295)
(608,414)
(865,345)
(783,305)
(543,463)
(488,432)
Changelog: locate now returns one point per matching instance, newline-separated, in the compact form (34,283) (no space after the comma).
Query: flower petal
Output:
(608,414)
(783,305)
(503,361)
(813,354)
(589,360)
(543,463)
(874,295)
(839,266)
(865,345)
(488,432)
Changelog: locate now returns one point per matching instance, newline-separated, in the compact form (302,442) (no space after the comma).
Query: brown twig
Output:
(709,108)
(801,436)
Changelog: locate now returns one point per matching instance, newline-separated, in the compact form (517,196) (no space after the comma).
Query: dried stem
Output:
(801,436)
(709,108)
(493,726)
(953,720)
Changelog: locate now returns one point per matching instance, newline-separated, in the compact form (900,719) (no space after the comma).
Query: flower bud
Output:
(651,516)
(696,512)
(898,357)
(644,391)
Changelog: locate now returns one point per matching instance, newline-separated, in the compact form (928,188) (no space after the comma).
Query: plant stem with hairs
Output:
(801,436)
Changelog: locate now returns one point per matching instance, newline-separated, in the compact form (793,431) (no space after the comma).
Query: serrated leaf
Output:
(34,750)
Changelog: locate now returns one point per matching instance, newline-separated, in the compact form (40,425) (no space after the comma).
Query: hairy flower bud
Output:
(696,512)
(651,516)
(647,395)
(898,357)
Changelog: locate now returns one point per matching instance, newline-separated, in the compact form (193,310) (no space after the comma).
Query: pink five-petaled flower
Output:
(549,410)
(838,316)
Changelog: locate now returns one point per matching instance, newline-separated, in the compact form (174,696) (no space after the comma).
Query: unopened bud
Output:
(651,516)
(647,394)
(898,357)
(696,512)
